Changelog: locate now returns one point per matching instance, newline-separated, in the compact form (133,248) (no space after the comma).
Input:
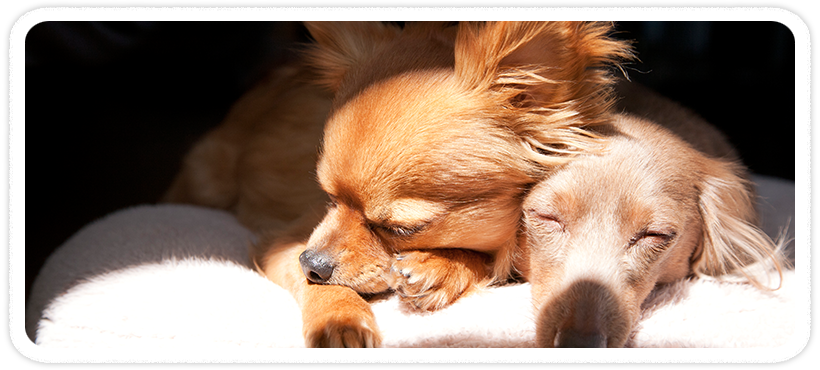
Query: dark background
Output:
(111,107)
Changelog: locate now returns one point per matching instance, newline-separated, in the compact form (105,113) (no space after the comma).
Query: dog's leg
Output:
(336,316)
(332,315)
(433,279)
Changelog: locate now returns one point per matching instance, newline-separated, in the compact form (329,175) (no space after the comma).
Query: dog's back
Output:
(260,162)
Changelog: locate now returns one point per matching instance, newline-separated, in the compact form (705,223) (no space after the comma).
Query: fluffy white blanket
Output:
(171,276)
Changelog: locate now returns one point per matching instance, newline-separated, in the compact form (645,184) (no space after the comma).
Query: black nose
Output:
(316,266)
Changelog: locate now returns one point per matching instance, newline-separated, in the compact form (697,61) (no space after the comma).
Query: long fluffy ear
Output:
(550,77)
(733,246)
(341,45)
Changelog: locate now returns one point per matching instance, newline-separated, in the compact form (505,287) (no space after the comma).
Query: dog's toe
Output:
(430,280)
(343,335)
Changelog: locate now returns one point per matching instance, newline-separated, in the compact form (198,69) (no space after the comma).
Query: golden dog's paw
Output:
(338,331)
(336,316)
(432,279)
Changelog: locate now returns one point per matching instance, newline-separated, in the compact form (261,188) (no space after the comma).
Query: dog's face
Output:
(604,230)
(403,176)
(426,147)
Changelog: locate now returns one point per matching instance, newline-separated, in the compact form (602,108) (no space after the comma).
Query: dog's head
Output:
(605,229)
(437,130)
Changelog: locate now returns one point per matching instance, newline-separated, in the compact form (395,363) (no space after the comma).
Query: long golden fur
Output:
(430,134)
(651,208)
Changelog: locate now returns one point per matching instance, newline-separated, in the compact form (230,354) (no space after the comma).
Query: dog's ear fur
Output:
(551,78)
(732,245)
(555,65)
(339,46)
(545,81)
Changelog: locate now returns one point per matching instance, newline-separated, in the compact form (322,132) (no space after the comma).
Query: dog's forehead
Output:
(422,134)
(629,181)
(413,100)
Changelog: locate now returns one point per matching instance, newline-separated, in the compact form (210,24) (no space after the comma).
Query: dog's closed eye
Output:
(546,221)
(653,238)
(404,218)
(397,230)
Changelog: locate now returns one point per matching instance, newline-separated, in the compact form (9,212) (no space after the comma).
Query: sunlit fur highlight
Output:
(546,95)
(735,248)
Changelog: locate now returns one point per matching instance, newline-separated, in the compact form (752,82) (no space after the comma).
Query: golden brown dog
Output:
(434,133)
(652,208)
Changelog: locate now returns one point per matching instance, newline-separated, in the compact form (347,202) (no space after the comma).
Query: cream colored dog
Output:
(652,208)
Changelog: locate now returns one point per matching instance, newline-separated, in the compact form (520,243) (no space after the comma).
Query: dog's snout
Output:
(587,314)
(317,266)
(576,339)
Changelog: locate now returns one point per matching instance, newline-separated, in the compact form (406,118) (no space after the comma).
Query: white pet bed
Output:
(170,276)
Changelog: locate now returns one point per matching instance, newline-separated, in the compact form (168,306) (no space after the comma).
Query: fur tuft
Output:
(341,45)
(733,247)
(550,78)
